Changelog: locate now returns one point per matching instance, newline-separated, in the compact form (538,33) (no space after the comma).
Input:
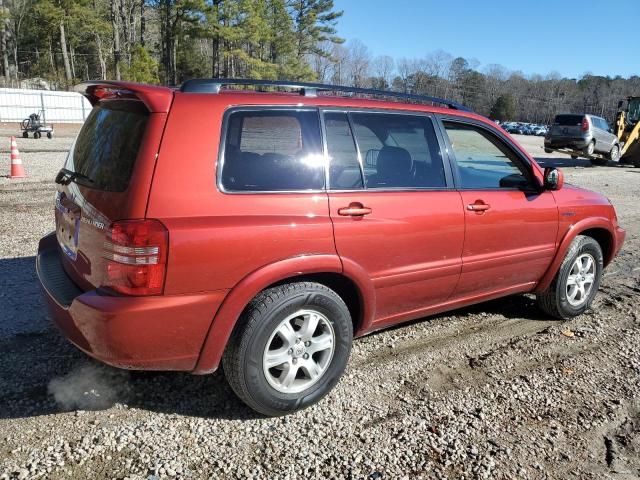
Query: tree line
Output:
(491,90)
(162,41)
(57,43)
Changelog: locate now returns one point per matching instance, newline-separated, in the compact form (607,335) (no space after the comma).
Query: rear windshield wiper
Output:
(66,176)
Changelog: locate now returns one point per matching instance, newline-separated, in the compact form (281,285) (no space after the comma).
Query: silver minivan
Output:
(585,135)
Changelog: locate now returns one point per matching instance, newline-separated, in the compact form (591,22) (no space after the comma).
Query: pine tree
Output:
(503,109)
(143,68)
(314,23)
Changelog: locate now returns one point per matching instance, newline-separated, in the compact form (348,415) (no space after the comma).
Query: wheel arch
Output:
(597,228)
(348,279)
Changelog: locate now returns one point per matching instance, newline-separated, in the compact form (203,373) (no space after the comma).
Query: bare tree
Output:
(18,10)
(323,65)
(65,53)
(383,67)
(407,68)
(4,33)
(359,60)
(339,57)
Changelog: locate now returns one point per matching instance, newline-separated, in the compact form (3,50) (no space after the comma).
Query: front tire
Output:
(289,348)
(577,281)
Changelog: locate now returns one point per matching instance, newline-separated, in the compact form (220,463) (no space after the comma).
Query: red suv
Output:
(208,225)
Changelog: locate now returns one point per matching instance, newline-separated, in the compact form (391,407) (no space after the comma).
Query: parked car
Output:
(516,129)
(540,130)
(283,226)
(585,135)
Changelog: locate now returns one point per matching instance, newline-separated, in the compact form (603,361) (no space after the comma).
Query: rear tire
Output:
(277,361)
(49,135)
(36,135)
(590,148)
(25,134)
(577,281)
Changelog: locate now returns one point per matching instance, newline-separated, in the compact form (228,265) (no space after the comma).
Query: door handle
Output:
(479,206)
(354,210)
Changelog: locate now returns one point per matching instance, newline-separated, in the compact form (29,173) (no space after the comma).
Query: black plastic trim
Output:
(54,279)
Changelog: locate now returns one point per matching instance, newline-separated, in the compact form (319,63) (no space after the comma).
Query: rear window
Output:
(273,150)
(108,143)
(568,120)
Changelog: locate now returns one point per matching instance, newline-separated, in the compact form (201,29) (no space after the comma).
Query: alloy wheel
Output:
(299,351)
(581,279)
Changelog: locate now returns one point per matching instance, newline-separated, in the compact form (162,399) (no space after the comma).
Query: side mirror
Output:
(553,178)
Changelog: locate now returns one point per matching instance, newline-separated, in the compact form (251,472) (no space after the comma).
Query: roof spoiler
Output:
(156,99)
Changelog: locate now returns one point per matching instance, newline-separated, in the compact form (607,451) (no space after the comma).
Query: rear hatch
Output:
(567,126)
(107,175)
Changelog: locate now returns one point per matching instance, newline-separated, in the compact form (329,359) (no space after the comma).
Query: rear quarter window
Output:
(108,143)
(272,150)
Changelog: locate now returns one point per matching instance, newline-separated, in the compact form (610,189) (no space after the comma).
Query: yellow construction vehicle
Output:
(628,130)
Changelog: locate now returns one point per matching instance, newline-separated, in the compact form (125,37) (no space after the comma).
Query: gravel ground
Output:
(494,391)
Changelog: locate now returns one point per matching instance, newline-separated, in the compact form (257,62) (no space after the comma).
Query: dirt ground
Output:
(498,390)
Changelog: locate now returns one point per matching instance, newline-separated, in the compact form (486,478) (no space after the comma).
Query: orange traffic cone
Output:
(17,170)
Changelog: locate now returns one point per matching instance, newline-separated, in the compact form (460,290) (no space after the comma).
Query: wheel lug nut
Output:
(290,351)
(305,356)
(306,344)
(295,360)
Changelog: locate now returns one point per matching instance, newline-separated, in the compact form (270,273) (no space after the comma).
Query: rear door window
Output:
(106,148)
(272,150)
(344,168)
(399,151)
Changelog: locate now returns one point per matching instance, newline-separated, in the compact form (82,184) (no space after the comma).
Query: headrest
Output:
(393,161)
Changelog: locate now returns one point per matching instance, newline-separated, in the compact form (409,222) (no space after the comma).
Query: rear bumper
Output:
(577,143)
(146,333)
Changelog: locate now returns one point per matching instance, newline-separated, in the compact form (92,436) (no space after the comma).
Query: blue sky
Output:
(534,36)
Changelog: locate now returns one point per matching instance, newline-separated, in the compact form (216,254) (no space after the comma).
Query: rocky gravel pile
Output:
(493,391)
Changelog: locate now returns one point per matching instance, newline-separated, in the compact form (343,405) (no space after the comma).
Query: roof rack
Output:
(214,85)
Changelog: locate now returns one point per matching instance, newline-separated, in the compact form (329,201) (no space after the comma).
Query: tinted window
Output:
(273,151)
(482,159)
(399,151)
(344,167)
(108,144)
(568,120)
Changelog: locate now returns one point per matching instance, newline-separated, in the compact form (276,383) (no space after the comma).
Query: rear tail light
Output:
(136,254)
(585,124)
